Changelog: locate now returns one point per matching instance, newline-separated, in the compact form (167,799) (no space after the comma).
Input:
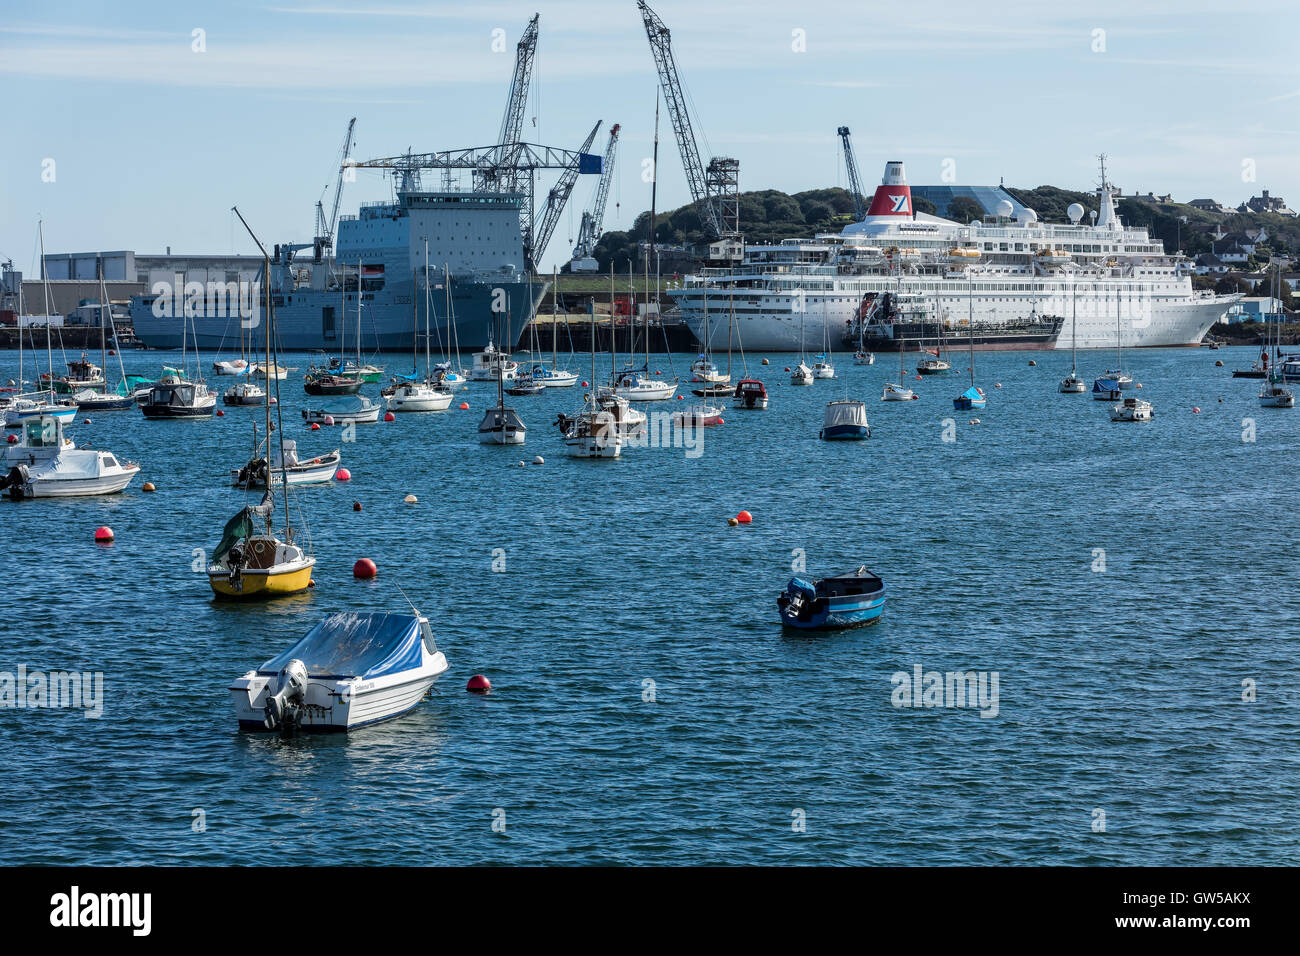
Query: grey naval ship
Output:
(476,275)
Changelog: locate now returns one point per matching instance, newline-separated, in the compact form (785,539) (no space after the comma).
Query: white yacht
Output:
(45,464)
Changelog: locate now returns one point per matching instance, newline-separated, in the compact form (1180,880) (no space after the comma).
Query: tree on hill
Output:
(964,209)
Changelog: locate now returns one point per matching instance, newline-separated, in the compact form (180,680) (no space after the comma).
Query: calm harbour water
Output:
(1119,691)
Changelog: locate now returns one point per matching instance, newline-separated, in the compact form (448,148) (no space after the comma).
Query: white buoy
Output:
(410,499)
(539,460)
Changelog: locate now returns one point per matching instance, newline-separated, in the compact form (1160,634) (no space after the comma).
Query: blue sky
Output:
(153,142)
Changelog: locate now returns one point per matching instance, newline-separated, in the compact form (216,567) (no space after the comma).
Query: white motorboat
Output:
(802,375)
(297,472)
(271,370)
(551,377)
(45,464)
(864,358)
(351,669)
(233,367)
(845,418)
(359,409)
(245,393)
(418,397)
(896,393)
(636,388)
(178,399)
(26,408)
(489,362)
(1132,410)
(823,370)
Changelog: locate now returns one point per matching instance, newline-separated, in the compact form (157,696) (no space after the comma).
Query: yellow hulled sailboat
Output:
(254,565)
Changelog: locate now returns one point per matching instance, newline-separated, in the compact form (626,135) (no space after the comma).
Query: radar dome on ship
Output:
(1004,209)
(1028,216)
(1075,212)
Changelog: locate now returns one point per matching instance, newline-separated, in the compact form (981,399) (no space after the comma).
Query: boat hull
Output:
(838,614)
(258,585)
(845,432)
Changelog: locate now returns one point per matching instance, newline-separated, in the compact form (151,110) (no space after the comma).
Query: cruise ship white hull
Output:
(766,321)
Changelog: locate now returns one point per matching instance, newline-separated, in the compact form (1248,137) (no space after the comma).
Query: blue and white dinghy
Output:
(853,599)
(351,669)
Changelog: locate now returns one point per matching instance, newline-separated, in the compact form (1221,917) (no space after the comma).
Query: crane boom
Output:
(333,220)
(556,199)
(512,123)
(675,99)
(855,184)
(589,230)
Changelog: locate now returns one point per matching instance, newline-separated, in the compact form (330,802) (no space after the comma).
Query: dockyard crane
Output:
(556,199)
(855,184)
(714,192)
(589,229)
(325,227)
(529,157)
(503,172)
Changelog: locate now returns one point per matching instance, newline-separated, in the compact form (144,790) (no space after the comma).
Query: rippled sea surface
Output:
(1120,690)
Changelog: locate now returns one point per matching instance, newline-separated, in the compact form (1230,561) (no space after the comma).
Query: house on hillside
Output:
(1266,203)
(1207,263)
(1209,205)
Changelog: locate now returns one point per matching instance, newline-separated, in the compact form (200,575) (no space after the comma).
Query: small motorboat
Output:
(255,473)
(25,408)
(714,391)
(173,398)
(973,397)
(823,370)
(89,400)
(699,416)
(864,358)
(1106,390)
(599,429)
(358,409)
(1132,410)
(896,393)
(635,388)
(45,464)
(802,375)
(82,374)
(233,367)
(491,364)
(447,376)
(750,393)
(853,599)
(526,385)
(245,393)
(418,397)
(321,382)
(845,418)
(351,669)
(248,565)
(273,370)
(932,366)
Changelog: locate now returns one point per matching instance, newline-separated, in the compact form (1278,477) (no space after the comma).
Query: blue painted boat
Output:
(973,397)
(845,418)
(853,599)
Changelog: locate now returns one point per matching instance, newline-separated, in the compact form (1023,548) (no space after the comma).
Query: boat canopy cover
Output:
(363,644)
(1105,385)
(241,526)
(845,413)
(801,586)
(973,393)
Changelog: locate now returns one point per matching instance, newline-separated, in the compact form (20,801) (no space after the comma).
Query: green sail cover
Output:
(241,526)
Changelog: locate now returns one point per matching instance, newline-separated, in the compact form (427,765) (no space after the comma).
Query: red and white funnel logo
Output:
(893,197)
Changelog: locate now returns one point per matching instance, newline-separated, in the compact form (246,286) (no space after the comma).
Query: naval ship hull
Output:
(309,320)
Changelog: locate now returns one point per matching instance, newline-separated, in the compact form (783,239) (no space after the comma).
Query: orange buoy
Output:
(148,486)
(1196,409)
(343,475)
(732,522)
(722,421)
(478,684)
(12,439)
(744,517)
(681,398)
(364,568)
(584,385)
(104,534)
(389,417)
(766,362)
(787,368)
(464,406)
(220,413)
(315,427)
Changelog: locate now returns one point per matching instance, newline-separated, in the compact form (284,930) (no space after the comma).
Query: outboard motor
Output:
(284,708)
(15,481)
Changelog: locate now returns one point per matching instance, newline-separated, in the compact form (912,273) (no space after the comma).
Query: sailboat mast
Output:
(427,363)
(266,264)
(613,340)
(415,318)
(555,288)
(45,284)
(1074,326)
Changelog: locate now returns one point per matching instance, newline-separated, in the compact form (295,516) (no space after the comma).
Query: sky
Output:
(139,125)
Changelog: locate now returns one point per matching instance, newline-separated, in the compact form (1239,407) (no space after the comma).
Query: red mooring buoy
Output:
(364,568)
(478,684)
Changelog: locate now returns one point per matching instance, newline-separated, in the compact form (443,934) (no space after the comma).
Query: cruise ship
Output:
(1010,279)
(474,238)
